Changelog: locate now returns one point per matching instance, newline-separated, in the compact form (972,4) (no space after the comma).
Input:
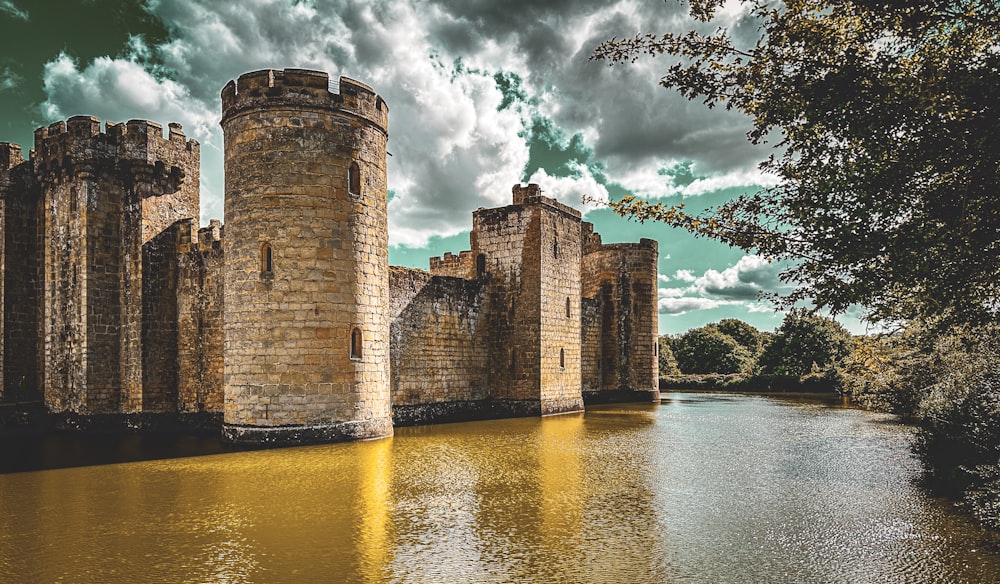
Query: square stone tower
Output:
(105,196)
(531,249)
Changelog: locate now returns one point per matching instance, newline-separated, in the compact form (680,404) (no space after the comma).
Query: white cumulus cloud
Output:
(456,143)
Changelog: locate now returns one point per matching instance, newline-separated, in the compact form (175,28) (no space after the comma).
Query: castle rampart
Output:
(439,347)
(288,323)
(200,333)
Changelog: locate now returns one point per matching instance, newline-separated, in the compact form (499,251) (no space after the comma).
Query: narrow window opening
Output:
(567,307)
(555,248)
(480,264)
(356,343)
(266,259)
(562,358)
(354,179)
(656,349)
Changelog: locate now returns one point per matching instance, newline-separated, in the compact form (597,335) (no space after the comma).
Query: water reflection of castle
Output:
(289,320)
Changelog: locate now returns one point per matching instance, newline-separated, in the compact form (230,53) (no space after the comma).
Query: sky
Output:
(481,94)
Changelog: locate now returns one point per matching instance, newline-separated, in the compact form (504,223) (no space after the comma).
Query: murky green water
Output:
(702,488)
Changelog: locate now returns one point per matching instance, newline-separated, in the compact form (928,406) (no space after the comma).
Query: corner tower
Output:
(306,272)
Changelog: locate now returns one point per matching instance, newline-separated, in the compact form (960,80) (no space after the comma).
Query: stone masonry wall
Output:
(200,334)
(531,250)
(592,310)
(106,194)
(504,236)
(438,346)
(290,147)
(20,278)
(560,314)
(159,323)
(623,277)
(462,265)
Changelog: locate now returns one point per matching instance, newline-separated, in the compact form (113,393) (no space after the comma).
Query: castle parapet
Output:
(532,195)
(462,265)
(302,89)
(590,240)
(79,141)
(10,155)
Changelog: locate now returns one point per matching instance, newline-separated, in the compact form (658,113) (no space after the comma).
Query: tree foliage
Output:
(805,342)
(666,359)
(951,385)
(743,333)
(708,350)
(884,118)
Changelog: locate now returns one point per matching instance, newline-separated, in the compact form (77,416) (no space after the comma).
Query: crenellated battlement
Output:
(462,265)
(191,238)
(11,155)
(79,140)
(644,245)
(211,237)
(531,194)
(590,240)
(302,89)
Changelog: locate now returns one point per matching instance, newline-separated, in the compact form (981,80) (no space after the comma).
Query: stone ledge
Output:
(311,434)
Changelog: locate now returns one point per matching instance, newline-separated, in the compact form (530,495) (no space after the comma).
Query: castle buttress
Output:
(288,324)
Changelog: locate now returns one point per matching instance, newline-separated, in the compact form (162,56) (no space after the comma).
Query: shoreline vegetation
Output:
(764,384)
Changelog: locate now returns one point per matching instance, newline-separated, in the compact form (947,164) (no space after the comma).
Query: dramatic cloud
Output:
(472,88)
(740,284)
(10,8)
(746,280)
(121,89)
(684,305)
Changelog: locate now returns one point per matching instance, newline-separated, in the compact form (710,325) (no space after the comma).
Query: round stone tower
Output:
(306,259)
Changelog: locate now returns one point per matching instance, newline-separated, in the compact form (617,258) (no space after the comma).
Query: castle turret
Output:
(531,249)
(620,323)
(306,272)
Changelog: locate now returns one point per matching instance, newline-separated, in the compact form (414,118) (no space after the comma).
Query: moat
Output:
(701,488)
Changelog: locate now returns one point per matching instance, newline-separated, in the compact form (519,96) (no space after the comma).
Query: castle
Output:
(289,321)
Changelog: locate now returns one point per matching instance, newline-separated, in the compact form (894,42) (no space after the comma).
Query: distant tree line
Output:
(805,352)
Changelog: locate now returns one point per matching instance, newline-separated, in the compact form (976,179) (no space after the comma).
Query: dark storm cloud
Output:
(459,138)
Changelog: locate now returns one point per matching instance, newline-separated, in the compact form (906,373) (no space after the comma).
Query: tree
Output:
(804,341)
(885,122)
(667,361)
(743,333)
(707,350)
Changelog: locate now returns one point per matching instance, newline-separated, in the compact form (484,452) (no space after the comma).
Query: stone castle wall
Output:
(289,320)
(439,357)
(621,280)
(306,272)
(21,273)
(505,238)
(559,315)
(462,265)
(200,314)
(97,200)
